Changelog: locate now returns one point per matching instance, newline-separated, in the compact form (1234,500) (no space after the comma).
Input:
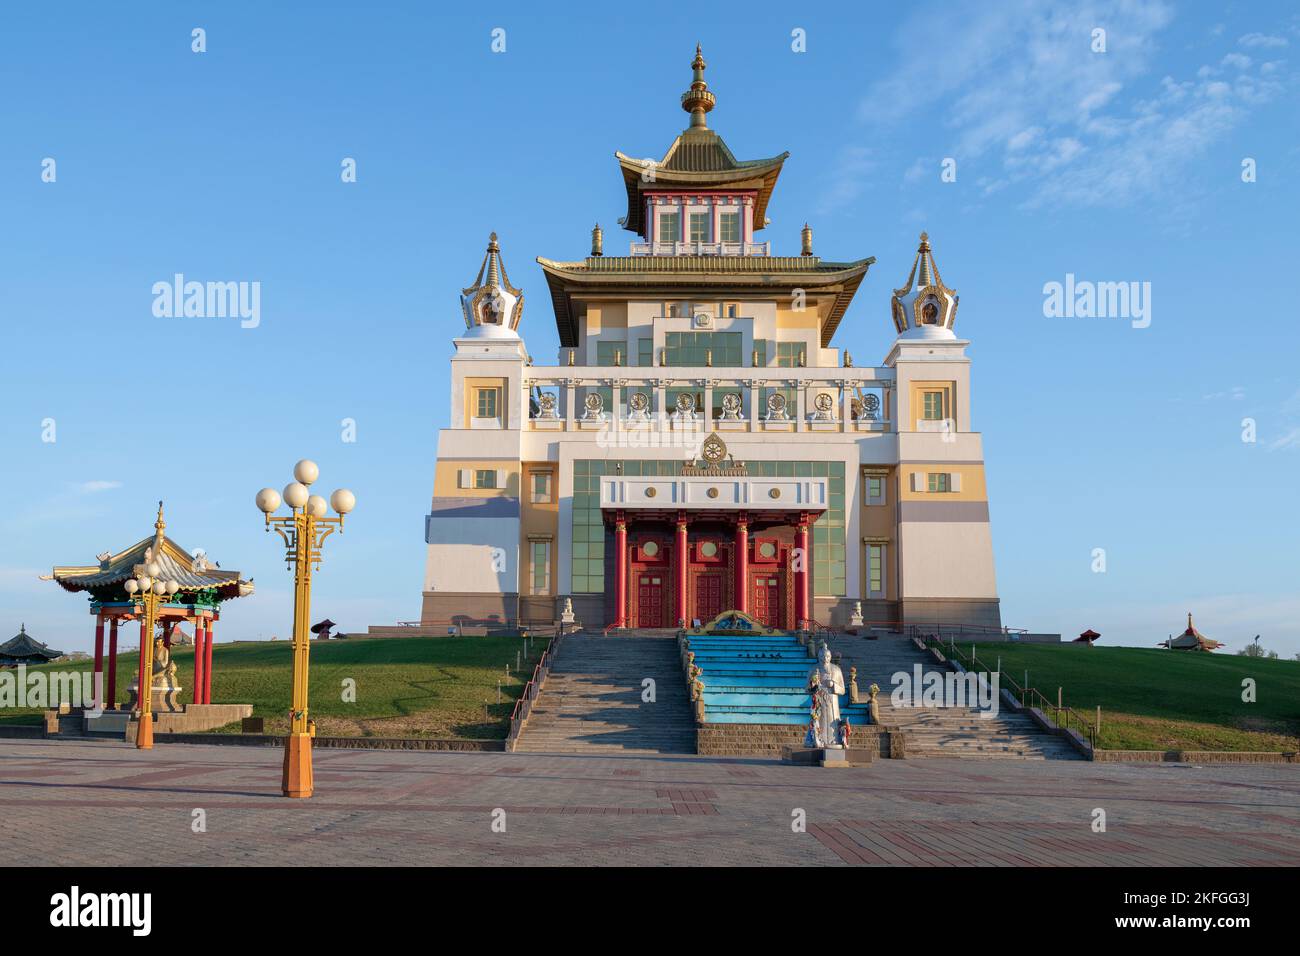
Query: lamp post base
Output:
(297,780)
(144,733)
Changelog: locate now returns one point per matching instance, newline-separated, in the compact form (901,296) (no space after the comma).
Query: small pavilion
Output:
(204,587)
(1087,637)
(1191,640)
(22,648)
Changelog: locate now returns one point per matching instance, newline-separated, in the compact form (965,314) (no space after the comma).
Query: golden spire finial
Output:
(698,100)
(925,242)
(159,524)
(1189,620)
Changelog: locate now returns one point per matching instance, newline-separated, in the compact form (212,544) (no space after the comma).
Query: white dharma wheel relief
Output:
(867,408)
(824,405)
(638,407)
(776,411)
(731,407)
(685,408)
(595,408)
(546,406)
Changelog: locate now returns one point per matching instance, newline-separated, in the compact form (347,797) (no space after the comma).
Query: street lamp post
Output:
(146,591)
(304,531)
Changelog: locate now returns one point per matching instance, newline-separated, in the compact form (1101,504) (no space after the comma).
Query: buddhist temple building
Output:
(700,443)
(22,648)
(204,588)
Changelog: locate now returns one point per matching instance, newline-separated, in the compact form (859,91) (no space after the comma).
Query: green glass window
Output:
(541,567)
(487,401)
(694,348)
(606,352)
(699,227)
(932,406)
(729,227)
(937,481)
(670,227)
(645,351)
(485,478)
(875,571)
(760,353)
(787,354)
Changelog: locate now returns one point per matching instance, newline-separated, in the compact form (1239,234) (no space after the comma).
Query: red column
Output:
(207,659)
(742,564)
(198,660)
(802,557)
(110,693)
(682,560)
(99,660)
(620,571)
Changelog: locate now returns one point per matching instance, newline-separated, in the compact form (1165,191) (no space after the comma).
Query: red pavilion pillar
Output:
(683,559)
(207,660)
(99,660)
(110,694)
(801,559)
(198,659)
(620,570)
(742,564)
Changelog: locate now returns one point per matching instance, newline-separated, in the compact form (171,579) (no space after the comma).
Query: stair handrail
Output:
(532,689)
(1063,716)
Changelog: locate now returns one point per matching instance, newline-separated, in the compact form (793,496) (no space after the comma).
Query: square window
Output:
(729,227)
(670,227)
(485,478)
(541,487)
(487,401)
(699,227)
(937,482)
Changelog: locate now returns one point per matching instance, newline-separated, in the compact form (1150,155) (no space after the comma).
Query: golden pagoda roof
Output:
(697,159)
(713,274)
(175,563)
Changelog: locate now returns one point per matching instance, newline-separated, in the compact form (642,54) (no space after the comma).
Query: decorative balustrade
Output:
(688,248)
(577,398)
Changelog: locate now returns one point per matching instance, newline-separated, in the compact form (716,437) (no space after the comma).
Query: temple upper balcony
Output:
(699,248)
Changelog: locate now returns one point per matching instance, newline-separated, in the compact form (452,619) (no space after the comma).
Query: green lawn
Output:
(405,687)
(1156,699)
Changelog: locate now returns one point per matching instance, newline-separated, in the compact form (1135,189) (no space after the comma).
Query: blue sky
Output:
(1123,165)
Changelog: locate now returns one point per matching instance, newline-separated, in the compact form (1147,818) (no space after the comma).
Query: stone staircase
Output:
(591,702)
(948,731)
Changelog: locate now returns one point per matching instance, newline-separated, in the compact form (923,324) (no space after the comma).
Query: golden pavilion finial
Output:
(698,100)
(925,243)
(1189,620)
(159,524)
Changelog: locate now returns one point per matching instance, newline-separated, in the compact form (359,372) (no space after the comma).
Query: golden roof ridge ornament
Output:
(698,100)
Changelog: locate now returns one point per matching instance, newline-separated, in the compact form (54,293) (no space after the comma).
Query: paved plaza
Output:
(105,803)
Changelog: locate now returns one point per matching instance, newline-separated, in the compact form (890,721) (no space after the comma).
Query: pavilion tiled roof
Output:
(175,563)
(22,646)
(1191,639)
(631,274)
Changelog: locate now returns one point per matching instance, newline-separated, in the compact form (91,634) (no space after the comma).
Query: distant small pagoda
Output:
(22,648)
(1191,640)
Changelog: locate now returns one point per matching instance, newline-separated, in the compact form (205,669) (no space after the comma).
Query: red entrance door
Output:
(650,600)
(766,600)
(708,596)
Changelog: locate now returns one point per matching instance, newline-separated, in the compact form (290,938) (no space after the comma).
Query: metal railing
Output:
(524,705)
(1064,717)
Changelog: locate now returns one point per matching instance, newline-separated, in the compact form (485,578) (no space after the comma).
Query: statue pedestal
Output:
(827,756)
(163,700)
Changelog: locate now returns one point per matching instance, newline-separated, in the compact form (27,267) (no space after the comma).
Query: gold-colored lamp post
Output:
(304,531)
(146,591)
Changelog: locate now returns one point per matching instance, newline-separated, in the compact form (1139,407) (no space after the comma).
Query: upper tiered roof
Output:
(697,159)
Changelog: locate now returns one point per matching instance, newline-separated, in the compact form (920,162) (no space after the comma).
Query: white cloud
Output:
(1289,439)
(849,177)
(1018,85)
(91,487)
(1262,40)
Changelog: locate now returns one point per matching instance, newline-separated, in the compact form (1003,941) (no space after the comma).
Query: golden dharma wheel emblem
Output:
(774,492)
(713,492)
(651,491)
(714,450)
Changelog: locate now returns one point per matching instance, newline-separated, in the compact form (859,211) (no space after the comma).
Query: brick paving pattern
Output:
(105,803)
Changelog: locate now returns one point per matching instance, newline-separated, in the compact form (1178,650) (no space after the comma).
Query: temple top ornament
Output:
(492,307)
(924,308)
(698,100)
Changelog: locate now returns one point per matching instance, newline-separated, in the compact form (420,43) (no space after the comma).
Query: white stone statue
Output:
(827,683)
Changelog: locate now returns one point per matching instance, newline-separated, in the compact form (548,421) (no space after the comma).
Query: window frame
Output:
(484,391)
(481,482)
